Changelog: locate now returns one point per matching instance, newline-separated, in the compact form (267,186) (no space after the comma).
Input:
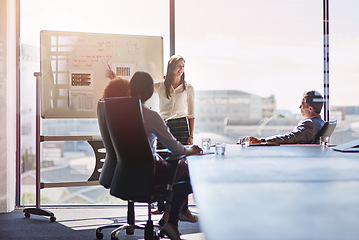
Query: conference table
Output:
(282,192)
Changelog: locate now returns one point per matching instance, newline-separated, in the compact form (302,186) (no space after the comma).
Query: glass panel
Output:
(72,160)
(268,53)
(344,75)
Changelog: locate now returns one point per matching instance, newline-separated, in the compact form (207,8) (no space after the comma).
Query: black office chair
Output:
(107,172)
(327,130)
(132,179)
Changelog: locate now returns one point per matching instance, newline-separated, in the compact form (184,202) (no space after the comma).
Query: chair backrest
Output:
(327,130)
(134,173)
(330,129)
(321,132)
(110,163)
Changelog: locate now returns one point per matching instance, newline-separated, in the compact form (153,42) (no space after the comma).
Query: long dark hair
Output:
(172,62)
(141,85)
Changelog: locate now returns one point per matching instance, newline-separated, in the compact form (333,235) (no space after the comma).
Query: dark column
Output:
(172,27)
(326,57)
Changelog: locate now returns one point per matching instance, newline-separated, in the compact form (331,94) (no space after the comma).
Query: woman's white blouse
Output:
(180,103)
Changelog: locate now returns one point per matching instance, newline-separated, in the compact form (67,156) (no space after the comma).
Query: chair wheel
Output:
(52,219)
(99,235)
(130,231)
(27,215)
(113,235)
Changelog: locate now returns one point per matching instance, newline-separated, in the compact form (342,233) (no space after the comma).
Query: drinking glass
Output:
(206,144)
(220,148)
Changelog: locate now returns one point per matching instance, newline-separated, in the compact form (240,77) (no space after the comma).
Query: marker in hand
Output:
(109,67)
(112,75)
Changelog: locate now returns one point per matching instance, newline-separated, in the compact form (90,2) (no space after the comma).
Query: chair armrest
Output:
(163,152)
(174,158)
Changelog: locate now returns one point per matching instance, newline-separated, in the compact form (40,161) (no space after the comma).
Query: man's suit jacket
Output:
(305,132)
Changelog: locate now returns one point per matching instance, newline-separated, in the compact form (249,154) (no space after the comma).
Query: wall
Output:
(7,104)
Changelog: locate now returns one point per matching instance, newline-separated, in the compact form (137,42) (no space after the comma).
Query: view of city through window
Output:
(248,61)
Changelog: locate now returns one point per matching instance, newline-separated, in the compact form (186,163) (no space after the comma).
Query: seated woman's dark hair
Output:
(141,86)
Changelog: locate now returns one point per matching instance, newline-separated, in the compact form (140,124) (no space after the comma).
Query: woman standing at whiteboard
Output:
(176,98)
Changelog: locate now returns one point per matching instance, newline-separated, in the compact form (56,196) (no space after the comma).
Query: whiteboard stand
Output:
(94,141)
(37,210)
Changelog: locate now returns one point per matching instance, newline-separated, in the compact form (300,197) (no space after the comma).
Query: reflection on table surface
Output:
(277,192)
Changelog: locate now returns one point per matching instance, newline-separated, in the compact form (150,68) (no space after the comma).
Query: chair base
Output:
(130,226)
(39,211)
(130,229)
(148,226)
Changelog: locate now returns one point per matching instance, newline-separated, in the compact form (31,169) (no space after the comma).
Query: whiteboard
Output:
(74,68)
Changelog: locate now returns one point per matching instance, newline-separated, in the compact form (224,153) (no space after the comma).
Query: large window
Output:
(72,160)
(249,62)
(272,50)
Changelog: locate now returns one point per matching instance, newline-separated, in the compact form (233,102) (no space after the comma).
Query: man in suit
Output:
(306,131)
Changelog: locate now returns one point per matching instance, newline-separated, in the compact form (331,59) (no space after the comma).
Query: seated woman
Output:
(141,86)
